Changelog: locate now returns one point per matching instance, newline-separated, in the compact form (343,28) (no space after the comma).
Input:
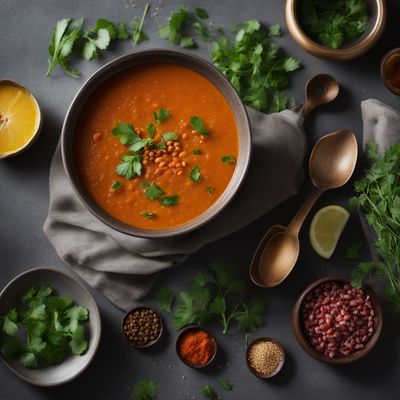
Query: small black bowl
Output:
(182,334)
(152,342)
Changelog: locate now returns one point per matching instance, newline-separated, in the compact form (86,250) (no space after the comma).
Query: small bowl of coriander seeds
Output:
(265,357)
(142,327)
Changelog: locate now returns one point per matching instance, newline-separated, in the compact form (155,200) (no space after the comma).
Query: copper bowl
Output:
(306,345)
(192,329)
(148,344)
(365,42)
(252,370)
(391,60)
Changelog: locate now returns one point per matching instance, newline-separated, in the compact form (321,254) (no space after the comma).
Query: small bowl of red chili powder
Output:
(196,347)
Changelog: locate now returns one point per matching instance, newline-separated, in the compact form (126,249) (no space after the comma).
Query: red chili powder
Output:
(196,347)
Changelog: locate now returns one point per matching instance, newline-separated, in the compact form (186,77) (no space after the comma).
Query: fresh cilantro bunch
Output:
(255,65)
(183,25)
(334,23)
(379,200)
(145,390)
(44,327)
(217,293)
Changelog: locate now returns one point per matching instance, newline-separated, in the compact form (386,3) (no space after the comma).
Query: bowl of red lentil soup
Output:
(156,143)
(196,347)
(142,327)
(336,323)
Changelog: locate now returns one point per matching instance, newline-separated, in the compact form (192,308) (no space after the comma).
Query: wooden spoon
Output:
(331,165)
(320,89)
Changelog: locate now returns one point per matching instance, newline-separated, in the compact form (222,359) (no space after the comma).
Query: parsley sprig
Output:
(218,293)
(379,199)
(255,66)
(43,326)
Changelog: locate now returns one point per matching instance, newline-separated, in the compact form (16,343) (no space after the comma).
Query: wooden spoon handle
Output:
(298,220)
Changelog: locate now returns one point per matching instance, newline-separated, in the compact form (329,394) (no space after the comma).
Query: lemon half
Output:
(20,118)
(326,227)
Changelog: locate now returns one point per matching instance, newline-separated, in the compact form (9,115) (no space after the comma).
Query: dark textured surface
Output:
(24,30)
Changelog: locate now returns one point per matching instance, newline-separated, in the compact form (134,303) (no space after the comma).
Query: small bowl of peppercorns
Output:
(142,327)
(335,322)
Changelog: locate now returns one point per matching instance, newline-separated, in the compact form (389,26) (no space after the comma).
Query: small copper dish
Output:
(306,345)
(373,31)
(390,66)
(182,334)
(150,343)
(253,370)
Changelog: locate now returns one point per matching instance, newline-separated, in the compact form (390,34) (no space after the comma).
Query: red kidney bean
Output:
(337,319)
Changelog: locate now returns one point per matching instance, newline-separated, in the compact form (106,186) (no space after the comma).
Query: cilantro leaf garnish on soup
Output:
(149,144)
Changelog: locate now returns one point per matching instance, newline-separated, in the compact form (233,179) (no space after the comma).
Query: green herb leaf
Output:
(122,31)
(275,30)
(130,167)
(161,145)
(250,316)
(151,129)
(228,159)
(210,189)
(208,392)
(10,326)
(11,347)
(165,298)
(62,41)
(29,360)
(197,151)
(198,125)
(125,133)
(140,144)
(117,185)
(153,192)
(161,115)
(170,136)
(138,34)
(145,390)
(225,384)
(195,175)
(78,343)
(170,201)
(201,13)
(148,214)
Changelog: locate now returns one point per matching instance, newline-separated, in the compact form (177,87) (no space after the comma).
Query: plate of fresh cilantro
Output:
(50,327)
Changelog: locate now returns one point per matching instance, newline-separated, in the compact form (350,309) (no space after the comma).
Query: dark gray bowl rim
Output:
(96,340)
(136,58)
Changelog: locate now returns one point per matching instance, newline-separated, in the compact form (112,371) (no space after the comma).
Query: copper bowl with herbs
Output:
(338,32)
(336,323)
(196,347)
(142,327)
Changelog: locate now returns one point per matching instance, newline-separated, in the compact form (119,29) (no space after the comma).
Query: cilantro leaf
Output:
(11,347)
(170,136)
(210,190)
(225,384)
(161,115)
(78,343)
(153,192)
(122,32)
(275,30)
(250,316)
(195,175)
(28,359)
(165,298)
(63,39)
(140,144)
(198,125)
(145,390)
(228,159)
(151,129)
(197,151)
(36,344)
(148,214)
(116,185)
(138,34)
(170,201)
(201,13)
(208,392)
(125,133)
(130,167)
(10,326)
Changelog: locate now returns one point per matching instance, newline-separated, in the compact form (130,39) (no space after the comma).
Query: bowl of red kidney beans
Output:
(336,323)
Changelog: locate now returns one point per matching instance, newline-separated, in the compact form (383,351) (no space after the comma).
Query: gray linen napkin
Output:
(381,123)
(124,267)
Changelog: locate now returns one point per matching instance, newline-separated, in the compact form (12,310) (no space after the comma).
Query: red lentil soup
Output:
(156,145)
